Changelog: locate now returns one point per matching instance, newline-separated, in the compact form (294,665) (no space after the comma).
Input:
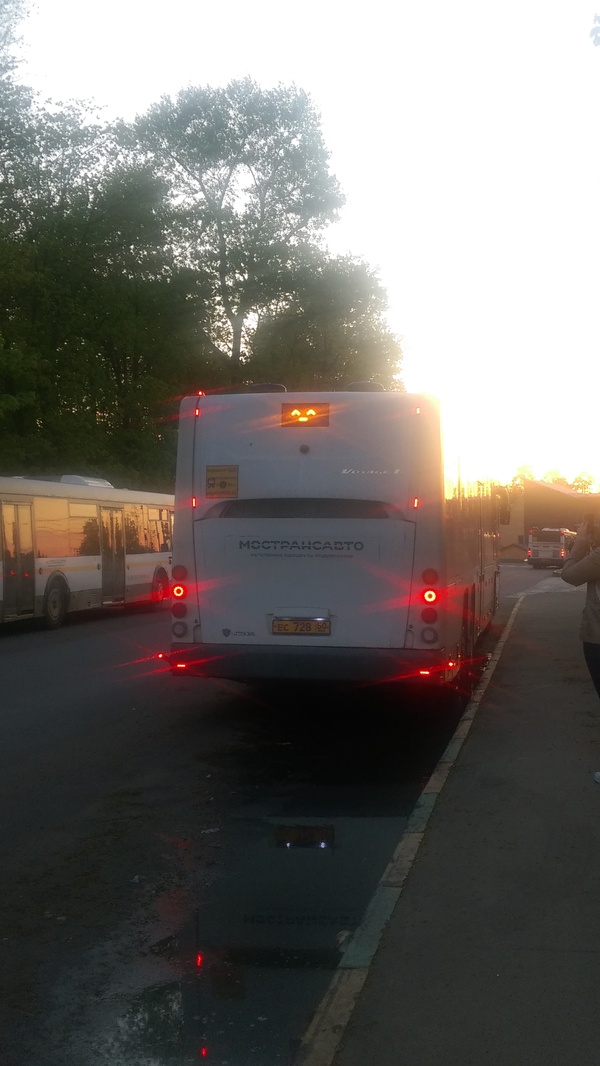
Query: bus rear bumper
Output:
(244,662)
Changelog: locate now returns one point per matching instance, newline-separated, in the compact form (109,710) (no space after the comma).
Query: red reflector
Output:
(178,591)
(430,595)
(199,959)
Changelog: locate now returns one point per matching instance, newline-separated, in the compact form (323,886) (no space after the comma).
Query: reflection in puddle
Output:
(157,1031)
(233,1011)
(303,841)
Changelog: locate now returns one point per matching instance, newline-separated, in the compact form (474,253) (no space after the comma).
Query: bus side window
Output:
(166,545)
(134,526)
(52,528)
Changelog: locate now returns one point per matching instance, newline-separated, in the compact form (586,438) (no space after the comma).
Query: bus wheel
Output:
(160,590)
(56,602)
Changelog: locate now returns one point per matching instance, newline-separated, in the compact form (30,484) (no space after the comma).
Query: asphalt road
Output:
(182,860)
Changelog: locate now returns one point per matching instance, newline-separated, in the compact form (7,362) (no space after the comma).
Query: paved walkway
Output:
(492,952)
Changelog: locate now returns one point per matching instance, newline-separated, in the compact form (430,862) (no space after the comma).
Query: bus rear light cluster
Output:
(429,595)
(179,593)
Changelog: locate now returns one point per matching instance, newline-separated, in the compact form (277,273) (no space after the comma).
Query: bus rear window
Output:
(303,507)
(547,536)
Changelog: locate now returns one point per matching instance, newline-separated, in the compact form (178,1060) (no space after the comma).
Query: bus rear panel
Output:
(310,539)
(549,547)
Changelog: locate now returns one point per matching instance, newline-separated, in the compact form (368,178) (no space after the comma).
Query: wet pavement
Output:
(193,856)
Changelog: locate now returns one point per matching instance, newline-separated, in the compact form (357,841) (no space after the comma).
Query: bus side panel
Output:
(81,576)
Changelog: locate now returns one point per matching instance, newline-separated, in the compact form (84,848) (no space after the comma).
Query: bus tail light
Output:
(179,592)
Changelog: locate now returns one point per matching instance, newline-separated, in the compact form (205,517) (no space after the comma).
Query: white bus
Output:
(76,543)
(318,536)
(549,547)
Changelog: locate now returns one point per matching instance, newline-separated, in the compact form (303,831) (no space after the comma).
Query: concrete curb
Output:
(323,1037)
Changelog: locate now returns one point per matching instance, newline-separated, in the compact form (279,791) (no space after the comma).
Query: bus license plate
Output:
(302,627)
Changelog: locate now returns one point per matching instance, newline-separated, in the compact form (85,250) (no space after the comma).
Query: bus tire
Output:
(159,595)
(56,603)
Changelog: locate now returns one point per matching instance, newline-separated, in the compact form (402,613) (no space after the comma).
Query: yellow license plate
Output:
(301,627)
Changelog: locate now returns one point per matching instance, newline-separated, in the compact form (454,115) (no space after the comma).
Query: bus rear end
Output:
(295,540)
(549,547)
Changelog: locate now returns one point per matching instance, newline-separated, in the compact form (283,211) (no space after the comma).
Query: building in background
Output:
(543,505)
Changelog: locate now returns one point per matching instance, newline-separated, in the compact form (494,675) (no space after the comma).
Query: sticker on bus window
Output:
(221,482)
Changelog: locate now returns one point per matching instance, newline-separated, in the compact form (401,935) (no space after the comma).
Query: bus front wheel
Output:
(56,602)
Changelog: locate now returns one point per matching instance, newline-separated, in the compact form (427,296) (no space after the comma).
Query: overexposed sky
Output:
(466,137)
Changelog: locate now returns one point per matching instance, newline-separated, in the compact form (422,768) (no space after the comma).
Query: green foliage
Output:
(583,482)
(12,13)
(140,264)
(252,168)
(328,332)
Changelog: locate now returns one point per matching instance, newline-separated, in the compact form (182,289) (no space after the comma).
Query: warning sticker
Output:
(221,481)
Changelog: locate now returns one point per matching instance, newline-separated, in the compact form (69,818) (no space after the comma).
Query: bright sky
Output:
(466,137)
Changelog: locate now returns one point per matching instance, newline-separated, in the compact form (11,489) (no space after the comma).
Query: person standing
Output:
(581,566)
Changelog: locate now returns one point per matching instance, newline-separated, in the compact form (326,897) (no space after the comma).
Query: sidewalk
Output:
(492,953)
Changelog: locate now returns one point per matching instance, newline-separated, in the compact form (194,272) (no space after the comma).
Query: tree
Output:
(97,315)
(517,485)
(12,13)
(329,331)
(582,483)
(252,167)
(554,477)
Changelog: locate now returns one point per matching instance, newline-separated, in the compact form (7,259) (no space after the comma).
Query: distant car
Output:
(549,547)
